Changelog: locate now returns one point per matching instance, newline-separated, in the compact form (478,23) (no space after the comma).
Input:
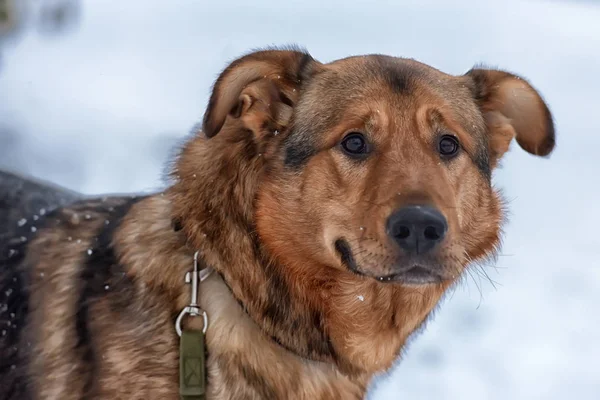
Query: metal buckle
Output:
(194,277)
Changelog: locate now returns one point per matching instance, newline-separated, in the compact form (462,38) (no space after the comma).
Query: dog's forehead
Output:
(400,85)
(398,75)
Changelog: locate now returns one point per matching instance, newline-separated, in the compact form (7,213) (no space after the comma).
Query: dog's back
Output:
(24,207)
(22,198)
(60,283)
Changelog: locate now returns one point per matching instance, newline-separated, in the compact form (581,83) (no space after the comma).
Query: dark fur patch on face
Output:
(101,275)
(297,152)
(481,158)
(343,249)
(382,68)
(398,77)
(479,92)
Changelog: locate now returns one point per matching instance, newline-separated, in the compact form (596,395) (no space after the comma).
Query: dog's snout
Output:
(417,228)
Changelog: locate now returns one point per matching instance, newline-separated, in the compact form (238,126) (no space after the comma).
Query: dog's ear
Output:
(512,108)
(265,83)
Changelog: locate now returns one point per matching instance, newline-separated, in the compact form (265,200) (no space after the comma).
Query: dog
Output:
(336,204)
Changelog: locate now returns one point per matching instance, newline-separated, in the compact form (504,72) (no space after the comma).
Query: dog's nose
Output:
(417,228)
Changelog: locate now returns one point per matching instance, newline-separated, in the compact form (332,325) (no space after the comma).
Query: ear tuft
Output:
(511,105)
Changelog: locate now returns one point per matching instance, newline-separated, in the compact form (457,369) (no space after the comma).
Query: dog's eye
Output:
(355,144)
(448,145)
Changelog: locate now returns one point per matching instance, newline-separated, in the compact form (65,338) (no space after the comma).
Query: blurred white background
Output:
(94,95)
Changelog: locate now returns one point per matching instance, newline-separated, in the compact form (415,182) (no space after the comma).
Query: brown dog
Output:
(337,202)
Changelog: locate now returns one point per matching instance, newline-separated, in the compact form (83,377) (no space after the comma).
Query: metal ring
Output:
(193,312)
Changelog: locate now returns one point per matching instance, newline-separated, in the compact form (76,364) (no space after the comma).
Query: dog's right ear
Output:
(276,77)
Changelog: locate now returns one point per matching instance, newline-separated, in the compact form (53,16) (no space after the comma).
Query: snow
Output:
(100,109)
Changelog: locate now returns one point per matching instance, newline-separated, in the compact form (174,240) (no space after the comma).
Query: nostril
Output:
(432,233)
(403,232)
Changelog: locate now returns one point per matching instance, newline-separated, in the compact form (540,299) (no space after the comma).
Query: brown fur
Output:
(264,193)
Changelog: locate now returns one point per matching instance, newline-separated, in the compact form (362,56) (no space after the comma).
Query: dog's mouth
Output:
(415,275)
(411,274)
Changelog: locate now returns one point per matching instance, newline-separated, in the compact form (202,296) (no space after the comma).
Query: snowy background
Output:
(93,97)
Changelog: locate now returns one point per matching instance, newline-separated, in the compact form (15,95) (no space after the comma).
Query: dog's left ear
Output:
(512,108)
(258,87)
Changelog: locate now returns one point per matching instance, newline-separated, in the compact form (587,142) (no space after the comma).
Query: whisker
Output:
(479,269)
(478,288)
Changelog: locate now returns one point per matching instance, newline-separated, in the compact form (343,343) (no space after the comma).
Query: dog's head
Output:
(375,165)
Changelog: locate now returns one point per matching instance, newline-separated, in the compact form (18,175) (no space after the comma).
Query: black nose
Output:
(417,229)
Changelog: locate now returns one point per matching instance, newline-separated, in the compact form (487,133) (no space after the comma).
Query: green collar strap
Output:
(192,366)
(192,355)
